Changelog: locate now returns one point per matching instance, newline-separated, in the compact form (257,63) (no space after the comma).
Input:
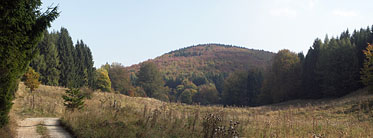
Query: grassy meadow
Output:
(116,115)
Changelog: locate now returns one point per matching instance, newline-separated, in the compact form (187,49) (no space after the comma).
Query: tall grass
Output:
(115,115)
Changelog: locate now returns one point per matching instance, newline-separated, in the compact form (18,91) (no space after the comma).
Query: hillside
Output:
(109,115)
(209,58)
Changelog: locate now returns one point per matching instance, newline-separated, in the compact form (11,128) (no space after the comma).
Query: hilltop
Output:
(209,58)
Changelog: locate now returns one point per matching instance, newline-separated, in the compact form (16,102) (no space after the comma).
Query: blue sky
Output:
(132,31)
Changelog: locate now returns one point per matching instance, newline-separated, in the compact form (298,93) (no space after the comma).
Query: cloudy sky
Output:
(131,31)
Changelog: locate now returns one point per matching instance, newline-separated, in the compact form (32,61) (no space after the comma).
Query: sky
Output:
(132,31)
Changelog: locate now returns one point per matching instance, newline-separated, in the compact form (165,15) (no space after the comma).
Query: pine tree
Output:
(81,70)
(338,68)
(73,99)
(66,53)
(52,74)
(310,81)
(22,25)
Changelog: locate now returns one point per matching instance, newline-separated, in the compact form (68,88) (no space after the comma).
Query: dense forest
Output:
(220,74)
(61,63)
(190,74)
(213,73)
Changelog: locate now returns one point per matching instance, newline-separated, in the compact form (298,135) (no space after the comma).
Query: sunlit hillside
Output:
(209,58)
(116,115)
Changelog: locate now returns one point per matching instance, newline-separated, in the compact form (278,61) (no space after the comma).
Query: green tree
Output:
(186,96)
(73,99)
(22,25)
(53,74)
(66,54)
(82,64)
(150,79)
(48,66)
(207,94)
(102,80)
(310,80)
(284,78)
(367,70)
(120,79)
(338,68)
(242,88)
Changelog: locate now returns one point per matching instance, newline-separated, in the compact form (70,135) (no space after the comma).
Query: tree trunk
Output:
(33,101)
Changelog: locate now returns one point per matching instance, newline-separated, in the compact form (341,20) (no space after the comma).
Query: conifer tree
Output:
(66,55)
(73,99)
(52,74)
(310,80)
(22,25)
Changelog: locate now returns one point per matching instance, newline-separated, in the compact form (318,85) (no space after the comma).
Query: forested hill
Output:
(209,59)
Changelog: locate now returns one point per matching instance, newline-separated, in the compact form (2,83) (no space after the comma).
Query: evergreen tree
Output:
(338,68)
(46,62)
(73,99)
(22,25)
(310,81)
(80,62)
(66,55)
(52,74)
(89,66)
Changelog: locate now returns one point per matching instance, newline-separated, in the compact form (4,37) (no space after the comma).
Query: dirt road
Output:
(27,128)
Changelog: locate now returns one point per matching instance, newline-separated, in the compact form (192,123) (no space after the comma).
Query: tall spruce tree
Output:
(66,56)
(338,68)
(81,70)
(310,81)
(22,25)
(52,74)
(46,61)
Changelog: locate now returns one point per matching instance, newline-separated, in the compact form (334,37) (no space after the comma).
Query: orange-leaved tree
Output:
(32,82)
(367,70)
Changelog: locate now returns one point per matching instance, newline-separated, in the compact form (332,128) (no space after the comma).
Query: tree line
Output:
(61,63)
(331,68)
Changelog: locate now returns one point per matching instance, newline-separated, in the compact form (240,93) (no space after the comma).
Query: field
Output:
(116,115)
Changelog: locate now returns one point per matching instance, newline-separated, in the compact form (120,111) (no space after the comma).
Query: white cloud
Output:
(344,13)
(312,3)
(283,12)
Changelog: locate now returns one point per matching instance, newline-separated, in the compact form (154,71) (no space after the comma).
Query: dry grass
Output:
(115,115)
(42,130)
